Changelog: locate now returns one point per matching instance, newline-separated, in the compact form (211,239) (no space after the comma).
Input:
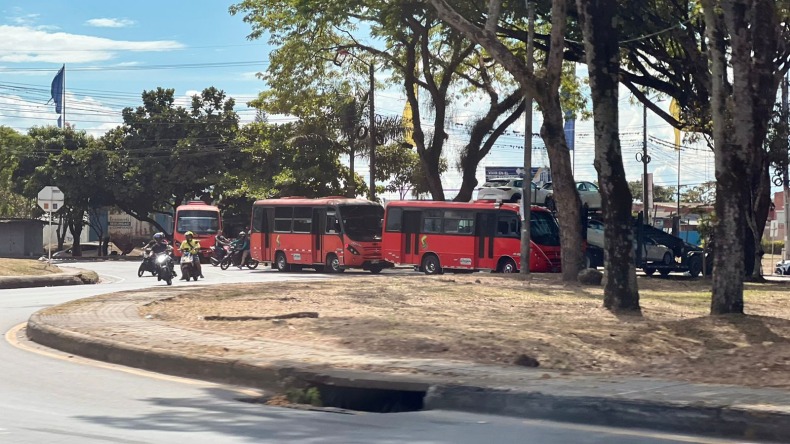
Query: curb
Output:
(721,421)
(79,277)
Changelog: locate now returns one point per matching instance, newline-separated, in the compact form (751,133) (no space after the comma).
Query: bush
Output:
(777,246)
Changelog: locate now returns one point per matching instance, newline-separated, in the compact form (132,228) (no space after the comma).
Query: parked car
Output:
(652,251)
(509,190)
(782,268)
(595,233)
(588,193)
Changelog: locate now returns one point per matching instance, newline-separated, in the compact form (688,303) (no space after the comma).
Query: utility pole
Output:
(372,131)
(645,160)
(785,178)
(526,190)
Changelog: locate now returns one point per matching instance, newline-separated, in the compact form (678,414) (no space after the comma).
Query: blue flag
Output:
(58,85)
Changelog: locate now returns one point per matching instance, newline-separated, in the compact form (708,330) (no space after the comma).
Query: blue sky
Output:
(110,48)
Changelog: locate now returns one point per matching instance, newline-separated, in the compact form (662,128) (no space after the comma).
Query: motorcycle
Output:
(220,252)
(147,264)
(188,267)
(233,257)
(164,265)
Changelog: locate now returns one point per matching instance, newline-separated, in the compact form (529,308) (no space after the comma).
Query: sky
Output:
(115,50)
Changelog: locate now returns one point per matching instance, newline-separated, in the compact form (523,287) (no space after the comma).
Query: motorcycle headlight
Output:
(161,259)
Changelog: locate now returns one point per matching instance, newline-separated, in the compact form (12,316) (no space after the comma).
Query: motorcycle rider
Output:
(193,246)
(159,245)
(242,244)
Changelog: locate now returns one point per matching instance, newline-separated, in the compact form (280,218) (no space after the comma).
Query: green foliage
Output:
(703,193)
(660,194)
(309,396)
(772,247)
(12,204)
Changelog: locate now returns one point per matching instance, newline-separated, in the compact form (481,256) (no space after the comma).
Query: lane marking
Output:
(11,337)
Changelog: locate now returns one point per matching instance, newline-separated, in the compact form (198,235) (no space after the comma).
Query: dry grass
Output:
(494,319)
(26,267)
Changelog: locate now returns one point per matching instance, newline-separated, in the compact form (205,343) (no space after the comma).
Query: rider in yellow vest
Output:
(193,246)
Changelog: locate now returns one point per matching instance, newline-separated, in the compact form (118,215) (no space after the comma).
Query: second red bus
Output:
(203,220)
(484,235)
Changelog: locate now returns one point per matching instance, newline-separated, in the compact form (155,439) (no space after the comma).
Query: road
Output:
(50,397)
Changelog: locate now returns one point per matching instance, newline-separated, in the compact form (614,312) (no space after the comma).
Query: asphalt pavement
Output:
(109,329)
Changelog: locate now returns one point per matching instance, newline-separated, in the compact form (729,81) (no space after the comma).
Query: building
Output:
(21,238)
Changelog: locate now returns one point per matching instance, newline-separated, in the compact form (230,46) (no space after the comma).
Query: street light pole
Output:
(526,190)
(372,132)
(645,160)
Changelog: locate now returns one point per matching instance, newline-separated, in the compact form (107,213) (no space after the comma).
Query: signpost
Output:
(50,199)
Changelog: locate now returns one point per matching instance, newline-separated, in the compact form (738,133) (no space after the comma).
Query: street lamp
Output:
(340,57)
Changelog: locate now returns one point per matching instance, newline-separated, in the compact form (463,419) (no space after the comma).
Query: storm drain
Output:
(338,399)
(370,399)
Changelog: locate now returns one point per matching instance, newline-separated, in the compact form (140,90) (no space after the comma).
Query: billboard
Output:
(539,174)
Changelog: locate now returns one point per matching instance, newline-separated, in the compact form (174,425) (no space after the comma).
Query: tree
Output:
(602,47)
(704,193)
(748,56)
(168,154)
(660,194)
(544,85)
(13,204)
(422,53)
(401,167)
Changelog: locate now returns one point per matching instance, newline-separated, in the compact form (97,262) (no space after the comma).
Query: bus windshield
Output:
(543,229)
(362,222)
(198,221)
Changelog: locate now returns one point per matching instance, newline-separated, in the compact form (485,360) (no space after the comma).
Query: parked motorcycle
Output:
(188,267)
(219,253)
(147,264)
(233,257)
(164,266)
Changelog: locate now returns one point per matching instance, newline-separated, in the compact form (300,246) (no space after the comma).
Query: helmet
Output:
(189,233)
(159,236)
(242,233)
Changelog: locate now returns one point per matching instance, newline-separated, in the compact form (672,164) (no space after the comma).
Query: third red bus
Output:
(484,235)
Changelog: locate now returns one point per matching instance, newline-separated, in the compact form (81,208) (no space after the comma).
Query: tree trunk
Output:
(565,193)
(75,222)
(61,230)
(728,267)
(602,49)
(760,209)
(469,178)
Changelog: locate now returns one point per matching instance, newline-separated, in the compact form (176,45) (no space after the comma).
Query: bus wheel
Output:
(280,262)
(431,264)
(508,266)
(664,272)
(333,264)
(375,269)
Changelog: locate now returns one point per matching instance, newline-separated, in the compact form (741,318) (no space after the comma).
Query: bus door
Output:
(268,222)
(485,229)
(318,228)
(410,248)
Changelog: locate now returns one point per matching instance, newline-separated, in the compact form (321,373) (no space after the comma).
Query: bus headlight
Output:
(352,249)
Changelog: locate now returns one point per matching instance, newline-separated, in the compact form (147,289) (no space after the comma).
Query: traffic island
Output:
(78,277)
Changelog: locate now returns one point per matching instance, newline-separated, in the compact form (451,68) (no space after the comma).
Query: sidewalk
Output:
(108,328)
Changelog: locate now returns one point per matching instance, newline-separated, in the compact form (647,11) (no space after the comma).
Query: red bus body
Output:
(479,235)
(201,219)
(317,233)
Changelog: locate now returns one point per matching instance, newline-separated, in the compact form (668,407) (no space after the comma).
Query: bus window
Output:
(361,223)
(432,221)
(394,219)
(543,229)
(458,222)
(257,219)
(303,219)
(508,225)
(332,225)
(283,216)
(198,221)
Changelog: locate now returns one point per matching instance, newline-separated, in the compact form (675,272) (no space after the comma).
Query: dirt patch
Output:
(26,267)
(499,319)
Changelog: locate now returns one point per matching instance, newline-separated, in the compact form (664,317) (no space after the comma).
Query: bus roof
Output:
(329,200)
(196,204)
(476,205)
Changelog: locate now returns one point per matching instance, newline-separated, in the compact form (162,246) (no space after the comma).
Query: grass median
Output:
(26,267)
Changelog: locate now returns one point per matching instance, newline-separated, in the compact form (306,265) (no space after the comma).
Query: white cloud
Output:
(109,23)
(25,44)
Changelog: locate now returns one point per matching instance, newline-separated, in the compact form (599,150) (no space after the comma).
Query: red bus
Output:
(328,234)
(482,235)
(201,219)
